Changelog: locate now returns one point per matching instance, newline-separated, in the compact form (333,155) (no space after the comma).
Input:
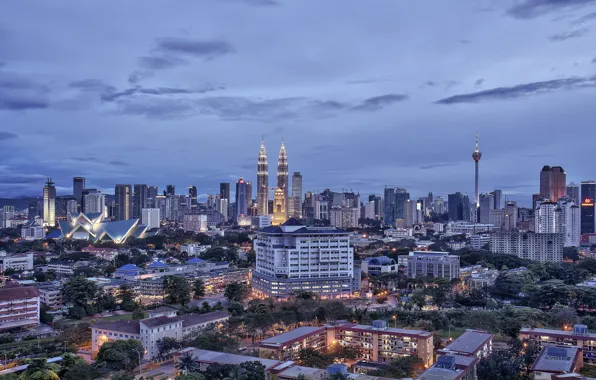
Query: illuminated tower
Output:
(262,182)
(282,174)
(49,204)
(279,207)
(476,156)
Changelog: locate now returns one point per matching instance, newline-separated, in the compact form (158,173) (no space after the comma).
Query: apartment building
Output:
(433,264)
(377,343)
(543,247)
(578,336)
(148,331)
(19,306)
(17,262)
(51,296)
(557,360)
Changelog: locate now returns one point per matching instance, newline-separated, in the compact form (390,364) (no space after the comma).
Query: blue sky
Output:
(364,93)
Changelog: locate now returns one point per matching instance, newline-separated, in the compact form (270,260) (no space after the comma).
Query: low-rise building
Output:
(579,337)
(16,261)
(379,265)
(482,279)
(471,343)
(451,367)
(287,345)
(63,267)
(33,230)
(433,264)
(194,249)
(557,360)
(398,233)
(51,296)
(19,306)
(148,331)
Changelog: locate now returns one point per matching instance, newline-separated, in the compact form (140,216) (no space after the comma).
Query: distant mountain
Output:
(19,203)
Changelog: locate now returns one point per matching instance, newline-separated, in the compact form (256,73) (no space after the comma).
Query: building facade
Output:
(151,217)
(19,306)
(588,199)
(16,261)
(553,183)
(262,181)
(123,202)
(543,247)
(344,217)
(49,204)
(282,174)
(433,264)
(296,202)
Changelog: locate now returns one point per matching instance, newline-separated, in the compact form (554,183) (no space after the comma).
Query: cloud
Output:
(585,18)
(21,93)
(15,179)
(112,94)
(138,75)
(594,60)
(434,166)
(526,9)
(118,163)
(7,136)
(521,90)
(84,159)
(207,49)
(91,85)
(478,82)
(161,62)
(569,34)
(378,102)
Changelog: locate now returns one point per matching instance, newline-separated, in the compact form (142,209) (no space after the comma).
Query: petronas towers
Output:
(263,182)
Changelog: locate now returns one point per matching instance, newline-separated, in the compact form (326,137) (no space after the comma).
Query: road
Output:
(167,369)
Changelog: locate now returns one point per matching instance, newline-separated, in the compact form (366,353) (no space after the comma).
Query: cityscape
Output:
(297,190)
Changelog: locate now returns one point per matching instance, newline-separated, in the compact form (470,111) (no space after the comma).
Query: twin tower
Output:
(280,204)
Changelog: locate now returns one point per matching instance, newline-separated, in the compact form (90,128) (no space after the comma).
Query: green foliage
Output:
(309,357)
(81,371)
(513,363)
(237,373)
(191,376)
(167,345)
(220,254)
(236,308)
(126,296)
(186,363)
(120,354)
(138,314)
(213,341)
(198,288)
(236,291)
(217,371)
(81,293)
(177,290)
(254,370)
(407,366)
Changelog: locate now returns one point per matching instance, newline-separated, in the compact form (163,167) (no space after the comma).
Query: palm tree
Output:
(187,364)
(236,373)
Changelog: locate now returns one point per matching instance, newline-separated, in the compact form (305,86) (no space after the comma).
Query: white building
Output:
(465,227)
(17,261)
(150,217)
(33,230)
(344,217)
(398,233)
(433,264)
(261,221)
(541,247)
(222,206)
(562,217)
(378,265)
(95,203)
(292,258)
(478,241)
(195,222)
(194,249)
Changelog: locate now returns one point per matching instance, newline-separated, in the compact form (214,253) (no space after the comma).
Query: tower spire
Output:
(477,150)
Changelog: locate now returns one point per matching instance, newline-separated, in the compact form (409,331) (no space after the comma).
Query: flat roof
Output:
(470,342)
(388,330)
(558,333)
(557,359)
(434,373)
(224,358)
(292,335)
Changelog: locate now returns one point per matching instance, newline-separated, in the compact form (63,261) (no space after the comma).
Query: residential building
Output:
(553,183)
(51,296)
(577,337)
(195,222)
(543,247)
(148,331)
(296,203)
(6,213)
(19,306)
(16,261)
(344,217)
(62,267)
(557,360)
(94,203)
(292,258)
(49,204)
(378,265)
(451,367)
(151,217)
(433,264)
(194,249)
(471,343)
(33,230)
(123,203)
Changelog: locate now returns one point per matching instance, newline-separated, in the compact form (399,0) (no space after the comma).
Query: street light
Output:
(140,367)
(395,320)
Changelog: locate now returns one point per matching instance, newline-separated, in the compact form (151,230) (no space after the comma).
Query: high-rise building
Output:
(439,205)
(455,206)
(547,247)
(390,211)
(49,203)
(477,155)
(497,197)
(150,217)
(510,217)
(152,193)
(33,210)
(487,203)
(344,217)
(297,195)
(248,194)
(588,199)
(222,207)
(170,190)
(282,174)
(262,181)
(78,186)
(279,208)
(569,222)
(6,212)
(193,196)
(241,206)
(123,202)
(553,182)
(401,197)
(224,191)
(139,199)
(94,202)
(311,266)
(573,193)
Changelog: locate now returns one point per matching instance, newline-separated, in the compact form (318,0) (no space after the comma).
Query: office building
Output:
(439,205)
(497,194)
(279,208)
(248,194)
(477,155)
(19,306)
(292,258)
(543,247)
(510,216)
(163,323)
(196,222)
(553,183)
(139,199)
(433,264)
(573,193)
(344,217)
(33,230)
(390,211)
(170,190)
(193,196)
(94,203)
(6,213)
(487,203)
(152,193)
(588,197)
(241,206)
(282,175)
(123,202)
(16,261)
(33,210)
(222,207)
(455,206)
(151,217)
(296,196)
(78,186)
(49,203)
(262,182)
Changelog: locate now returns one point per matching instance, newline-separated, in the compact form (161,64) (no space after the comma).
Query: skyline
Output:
(364,96)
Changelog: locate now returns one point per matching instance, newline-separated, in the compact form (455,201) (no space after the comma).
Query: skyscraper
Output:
(192,194)
(455,206)
(477,155)
(389,212)
(279,207)
(78,186)
(573,193)
(553,182)
(123,202)
(241,207)
(297,195)
(139,200)
(401,197)
(588,193)
(170,190)
(224,191)
(497,196)
(487,203)
(282,174)
(49,203)
(262,181)
(248,194)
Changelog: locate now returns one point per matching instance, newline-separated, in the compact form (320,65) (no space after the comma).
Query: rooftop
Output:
(388,330)
(434,373)
(159,321)
(195,319)
(223,358)
(469,342)
(131,327)
(292,335)
(13,292)
(557,359)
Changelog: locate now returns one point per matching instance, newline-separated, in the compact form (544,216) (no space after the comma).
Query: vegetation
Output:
(408,366)
(120,355)
(236,291)
(177,290)
(198,288)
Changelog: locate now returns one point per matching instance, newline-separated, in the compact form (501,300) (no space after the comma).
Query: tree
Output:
(121,375)
(213,341)
(198,288)
(418,298)
(81,371)
(39,369)
(186,363)
(190,376)
(236,291)
(177,290)
(237,373)
(254,370)
(44,317)
(310,357)
(166,345)
(120,354)
(126,296)
(80,292)
(236,308)
(138,314)
(217,371)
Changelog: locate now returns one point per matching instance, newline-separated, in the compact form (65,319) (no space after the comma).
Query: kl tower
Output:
(477,155)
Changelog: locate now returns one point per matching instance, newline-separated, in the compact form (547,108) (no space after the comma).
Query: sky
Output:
(364,93)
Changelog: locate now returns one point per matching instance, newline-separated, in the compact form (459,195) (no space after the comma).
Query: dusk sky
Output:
(364,93)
